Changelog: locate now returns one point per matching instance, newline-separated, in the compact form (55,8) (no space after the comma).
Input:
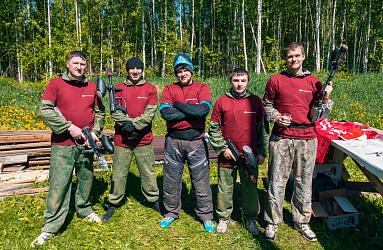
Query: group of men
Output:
(70,103)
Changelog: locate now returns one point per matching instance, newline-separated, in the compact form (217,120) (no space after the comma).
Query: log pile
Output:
(25,159)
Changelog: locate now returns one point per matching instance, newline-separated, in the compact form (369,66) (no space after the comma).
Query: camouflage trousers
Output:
(286,155)
(194,153)
(63,160)
(121,164)
(250,202)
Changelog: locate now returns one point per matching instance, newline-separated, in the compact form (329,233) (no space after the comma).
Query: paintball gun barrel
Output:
(108,146)
(337,55)
(252,165)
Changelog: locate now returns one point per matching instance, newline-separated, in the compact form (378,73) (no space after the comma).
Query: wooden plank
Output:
(24,191)
(39,175)
(13,168)
(10,147)
(30,152)
(13,159)
(40,162)
(24,138)
(375,181)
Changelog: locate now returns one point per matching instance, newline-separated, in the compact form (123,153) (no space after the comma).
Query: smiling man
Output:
(133,136)
(238,115)
(184,106)
(68,104)
(288,100)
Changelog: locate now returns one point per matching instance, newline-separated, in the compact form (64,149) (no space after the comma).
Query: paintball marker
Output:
(113,106)
(251,168)
(107,146)
(337,56)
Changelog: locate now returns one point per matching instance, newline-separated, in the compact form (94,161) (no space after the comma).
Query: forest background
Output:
(36,35)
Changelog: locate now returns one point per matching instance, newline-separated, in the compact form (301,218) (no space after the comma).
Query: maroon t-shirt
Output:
(294,95)
(76,103)
(194,93)
(238,119)
(135,98)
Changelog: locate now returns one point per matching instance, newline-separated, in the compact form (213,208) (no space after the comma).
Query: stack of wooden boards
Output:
(24,160)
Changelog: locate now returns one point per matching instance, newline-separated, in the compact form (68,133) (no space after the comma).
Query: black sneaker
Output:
(109,213)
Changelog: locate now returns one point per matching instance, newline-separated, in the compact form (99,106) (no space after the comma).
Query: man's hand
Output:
(76,132)
(127,127)
(282,121)
(228,154)
(95,138)
(260,159)
(327,92)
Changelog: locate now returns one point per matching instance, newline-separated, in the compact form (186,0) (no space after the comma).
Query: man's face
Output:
(184,76)
(294,59)
(239,82)
(135,74)
(76,67)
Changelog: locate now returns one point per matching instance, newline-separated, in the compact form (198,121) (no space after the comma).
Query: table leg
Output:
(375,181)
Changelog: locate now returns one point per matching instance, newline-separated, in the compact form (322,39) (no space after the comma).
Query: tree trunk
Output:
(165,41)
(50,64)
(317,38)
(143,33)
(256,45)
(365,61)
(259,37)
(193,29)
(244,33)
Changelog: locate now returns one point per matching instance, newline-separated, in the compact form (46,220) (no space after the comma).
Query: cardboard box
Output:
(337,210)
(333,170)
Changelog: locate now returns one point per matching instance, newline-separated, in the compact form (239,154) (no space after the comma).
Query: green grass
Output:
(134,226)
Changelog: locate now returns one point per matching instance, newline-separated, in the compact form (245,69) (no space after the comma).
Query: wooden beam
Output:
(375,181)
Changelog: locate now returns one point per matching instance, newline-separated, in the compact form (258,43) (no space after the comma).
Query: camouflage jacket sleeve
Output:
(269,110)
(55,121)
(263,139)
(216,138)
(139,122)
(99,118)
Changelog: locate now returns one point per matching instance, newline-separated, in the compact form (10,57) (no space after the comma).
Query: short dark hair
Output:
(77,53)
(239,71)
(293,46)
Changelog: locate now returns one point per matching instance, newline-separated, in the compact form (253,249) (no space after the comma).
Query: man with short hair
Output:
(184,106)
(133,136)
(238,116)
(288,100)
(68,104)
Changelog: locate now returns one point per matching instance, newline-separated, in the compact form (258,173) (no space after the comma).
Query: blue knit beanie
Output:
(181,61)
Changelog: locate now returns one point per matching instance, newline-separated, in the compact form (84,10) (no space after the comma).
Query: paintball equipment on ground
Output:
(107,146)
(113,106)
(337,56)
(251,164)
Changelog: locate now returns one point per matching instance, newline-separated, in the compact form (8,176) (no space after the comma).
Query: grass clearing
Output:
(135,226)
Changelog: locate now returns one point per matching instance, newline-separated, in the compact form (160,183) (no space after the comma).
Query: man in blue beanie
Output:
(184,106)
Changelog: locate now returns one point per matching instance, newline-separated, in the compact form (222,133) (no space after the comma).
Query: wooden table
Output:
(367,155)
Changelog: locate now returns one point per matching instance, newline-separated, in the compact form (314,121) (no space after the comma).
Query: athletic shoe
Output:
(93,217)
(253,228)
(41,239)
(209,226)
(109,213)
(222,226)
(156,206)
(271,229)
(166,221)
(306,231)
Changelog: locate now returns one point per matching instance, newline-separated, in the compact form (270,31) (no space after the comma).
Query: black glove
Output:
(127,127)
(133,136)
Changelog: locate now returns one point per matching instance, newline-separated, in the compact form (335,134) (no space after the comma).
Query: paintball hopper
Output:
(101,88)
(337,55)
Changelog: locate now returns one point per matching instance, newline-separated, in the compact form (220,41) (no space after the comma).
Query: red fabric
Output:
(238,119)
(333,130)
(194,93)
(294,95)
(75,101)
(135,98)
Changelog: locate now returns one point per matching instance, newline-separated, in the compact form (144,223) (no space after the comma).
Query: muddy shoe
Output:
(270,232)
(306,231)
(41,239)
(109,213)
(222,226)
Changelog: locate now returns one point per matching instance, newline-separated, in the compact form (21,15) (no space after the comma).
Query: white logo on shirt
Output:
(191,99)
(249,112)
(86,95)
(142,97)
(303,90)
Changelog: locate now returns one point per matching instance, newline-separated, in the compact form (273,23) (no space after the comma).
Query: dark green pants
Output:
(250,202)
(121,163)
(64,159)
